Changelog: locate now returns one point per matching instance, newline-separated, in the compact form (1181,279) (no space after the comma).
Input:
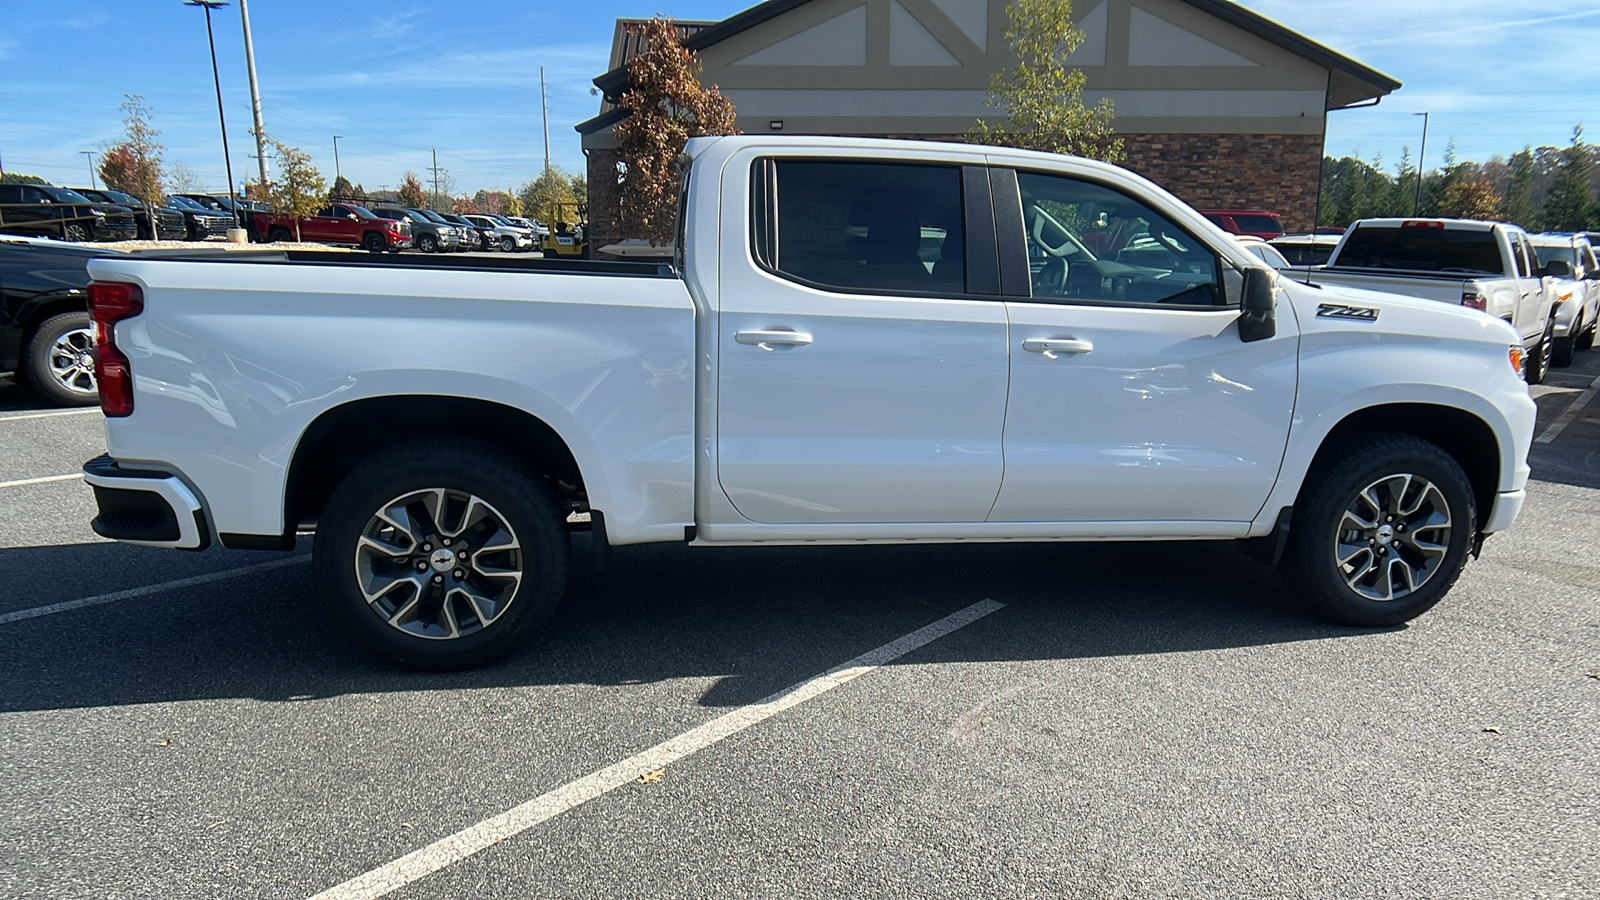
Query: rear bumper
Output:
(151,509)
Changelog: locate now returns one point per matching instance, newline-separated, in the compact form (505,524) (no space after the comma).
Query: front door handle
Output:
(765,338)
(1051,346)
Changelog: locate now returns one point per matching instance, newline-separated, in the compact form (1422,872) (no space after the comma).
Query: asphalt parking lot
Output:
(1114,720)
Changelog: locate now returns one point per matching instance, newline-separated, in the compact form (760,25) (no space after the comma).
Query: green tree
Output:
(1569,206)
(342,189)
(300,190)
(666,105)
(133,165)
(1517,205)
(410,192)
(1041,96)
(550,198)
(512,205)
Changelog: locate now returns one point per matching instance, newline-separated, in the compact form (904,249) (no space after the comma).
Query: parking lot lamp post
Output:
(336,174)
(208,6)
(1416,202)
(90,155)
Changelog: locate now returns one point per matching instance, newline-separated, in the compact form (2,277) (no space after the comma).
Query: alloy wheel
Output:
(72,361)
(438,563)
(1393,537)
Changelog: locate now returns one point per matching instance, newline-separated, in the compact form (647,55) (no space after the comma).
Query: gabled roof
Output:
(1349,83)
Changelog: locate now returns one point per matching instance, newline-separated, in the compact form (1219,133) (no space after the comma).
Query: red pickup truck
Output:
(338,223)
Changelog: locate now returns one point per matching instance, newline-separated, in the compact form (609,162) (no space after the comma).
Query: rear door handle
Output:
(1051,346)
(766,338)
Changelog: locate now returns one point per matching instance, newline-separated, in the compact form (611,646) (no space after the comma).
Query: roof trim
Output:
(615,81)
(604,120)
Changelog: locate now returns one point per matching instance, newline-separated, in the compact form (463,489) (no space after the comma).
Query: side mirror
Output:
(350,216)
(1558,268)
(1257,316)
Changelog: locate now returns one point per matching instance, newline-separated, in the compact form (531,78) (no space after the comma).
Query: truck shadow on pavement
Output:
(754,619)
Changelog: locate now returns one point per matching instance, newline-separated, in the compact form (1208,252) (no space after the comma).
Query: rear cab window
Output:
(1422,248)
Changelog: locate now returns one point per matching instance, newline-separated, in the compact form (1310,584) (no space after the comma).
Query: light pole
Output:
(90,155)
(208,6)
(255,92)
(336,174)
(1416,202)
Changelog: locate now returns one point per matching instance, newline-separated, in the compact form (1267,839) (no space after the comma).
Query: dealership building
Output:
(1220,105)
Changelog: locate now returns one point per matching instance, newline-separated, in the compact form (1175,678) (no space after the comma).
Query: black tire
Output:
(1311,564)
(76,232)
(508,243)
(428,244)
(1538,364)
(70,387)
(279,234)
(373,242)
(1586,336)
(1561,350)
(515,495)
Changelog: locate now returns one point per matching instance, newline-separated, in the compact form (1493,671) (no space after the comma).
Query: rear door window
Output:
(867,227)
(1258,224)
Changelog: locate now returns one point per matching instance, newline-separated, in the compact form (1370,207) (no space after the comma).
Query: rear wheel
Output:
(60,360)
(279,234)
(440,554)
(1586,338)
(373,242)
(1383,533)
(1561,348)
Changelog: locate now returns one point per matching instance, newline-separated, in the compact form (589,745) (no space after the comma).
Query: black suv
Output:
(169,221)
(44,210)
(200,222)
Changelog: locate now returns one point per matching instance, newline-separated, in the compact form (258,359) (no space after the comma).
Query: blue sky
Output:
(398,79)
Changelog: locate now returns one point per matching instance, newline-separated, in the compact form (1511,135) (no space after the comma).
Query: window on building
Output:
(1091,243)
(866,227)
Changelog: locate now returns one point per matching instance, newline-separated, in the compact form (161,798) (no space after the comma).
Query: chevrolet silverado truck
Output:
(1488,266)
(858,341)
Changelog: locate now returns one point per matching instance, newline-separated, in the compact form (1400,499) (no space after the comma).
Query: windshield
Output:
(362,211)
(1422,249)
(120,197)
(1564,252)
(183,203)
(65,196)
(432,216)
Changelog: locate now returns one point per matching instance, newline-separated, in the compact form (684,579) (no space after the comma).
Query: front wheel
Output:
(508,244)
(60,360)
(374,242)
(440,555)
(1538,364)
(428,244)
(1382,533)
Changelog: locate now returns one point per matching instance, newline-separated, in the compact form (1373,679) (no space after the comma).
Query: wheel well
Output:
(37,316)
(1467,438)
(341,438)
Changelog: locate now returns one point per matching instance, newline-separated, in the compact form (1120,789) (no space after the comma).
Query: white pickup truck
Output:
(860,341)
(1488,266)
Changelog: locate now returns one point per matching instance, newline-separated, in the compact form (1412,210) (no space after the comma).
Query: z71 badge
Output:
(1341,311)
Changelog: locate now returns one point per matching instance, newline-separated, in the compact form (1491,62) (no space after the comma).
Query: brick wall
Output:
(1276,172)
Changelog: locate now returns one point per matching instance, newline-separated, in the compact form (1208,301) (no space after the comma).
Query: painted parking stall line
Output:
(1568,414)
(50,415)
(44,480)
(469,841)
(147,590)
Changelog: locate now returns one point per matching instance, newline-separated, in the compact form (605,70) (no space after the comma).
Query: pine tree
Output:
(342,189)
(1569,206)
(1517,205)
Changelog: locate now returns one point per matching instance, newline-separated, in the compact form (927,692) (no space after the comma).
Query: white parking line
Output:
(45,480)
(147,590)
(456,847)
(1568,414)
(51,415)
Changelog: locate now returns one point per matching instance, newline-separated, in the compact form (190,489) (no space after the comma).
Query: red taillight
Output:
(1473,299)
(110,303)
(1416,223)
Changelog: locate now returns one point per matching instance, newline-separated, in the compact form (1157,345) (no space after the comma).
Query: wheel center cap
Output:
(443,559)
(1385,533)
(86,361)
